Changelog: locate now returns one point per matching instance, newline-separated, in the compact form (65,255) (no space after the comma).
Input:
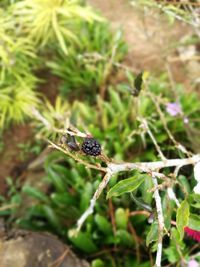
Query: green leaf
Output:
(35,193)
(182,217)
(51,216)
(103,224)
(152,235)
(83,241)
(176,248)
(124,238)
(194,222)
(97,263)
(126,186)
(121,218)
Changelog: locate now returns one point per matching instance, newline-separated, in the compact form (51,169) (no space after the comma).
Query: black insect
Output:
(70,141)
(137,85)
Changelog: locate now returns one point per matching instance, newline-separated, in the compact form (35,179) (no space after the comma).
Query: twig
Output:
(112,216)
(160,222)
(139,212)
(172,196)
(90,209)
(60,260)
(9,206)
(88,165)
(146,127)
(136,239)
(148,167)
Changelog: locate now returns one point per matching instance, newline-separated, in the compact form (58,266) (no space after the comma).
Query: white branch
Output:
(152,166)
(172,196)
(146,127)
(149,167)
(97,193)
(160,222)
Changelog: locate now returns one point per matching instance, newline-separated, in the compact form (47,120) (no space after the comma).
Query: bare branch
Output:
(97,193)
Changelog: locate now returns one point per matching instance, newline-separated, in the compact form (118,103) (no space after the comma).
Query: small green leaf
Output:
(182,217)
(152,235)
(103,224)
(194,222)
(121,218)
(51,216)
(126,186)
(97,263)
(82,241)
(124,238)
(35,193)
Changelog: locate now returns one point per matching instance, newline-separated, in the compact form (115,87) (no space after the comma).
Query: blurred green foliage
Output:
(32,31)
(49,21)
(91,62)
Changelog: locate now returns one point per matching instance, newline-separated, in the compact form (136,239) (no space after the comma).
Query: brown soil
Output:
(12,161)
(150,36)
(49,86)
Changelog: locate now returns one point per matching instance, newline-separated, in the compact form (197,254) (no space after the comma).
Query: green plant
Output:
(48,21)
(27,26)
(181,11)
(17,83)
(16,100)
(91,62)
(123,223)
(50,119)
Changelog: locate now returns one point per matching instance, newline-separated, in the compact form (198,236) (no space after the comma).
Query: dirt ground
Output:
(150,36)
(12,163)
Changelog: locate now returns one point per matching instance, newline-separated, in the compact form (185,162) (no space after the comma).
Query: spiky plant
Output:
(16,99)
(90,63)
(47,21)
(54,117)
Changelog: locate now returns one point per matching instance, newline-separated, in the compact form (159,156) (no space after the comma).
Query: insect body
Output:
(137,84)
(70,141)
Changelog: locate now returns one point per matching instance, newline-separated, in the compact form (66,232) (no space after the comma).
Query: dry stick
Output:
(148,167)
(160,222)
(146,127)
(60,260)
(9,206)
(157,200)
(88,165)
(186,58)
(172,196)
(136,239)
(112,216)
(139,212)
(96,195)
(188,3)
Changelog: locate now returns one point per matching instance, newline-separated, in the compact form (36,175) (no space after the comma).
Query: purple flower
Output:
(173,109)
